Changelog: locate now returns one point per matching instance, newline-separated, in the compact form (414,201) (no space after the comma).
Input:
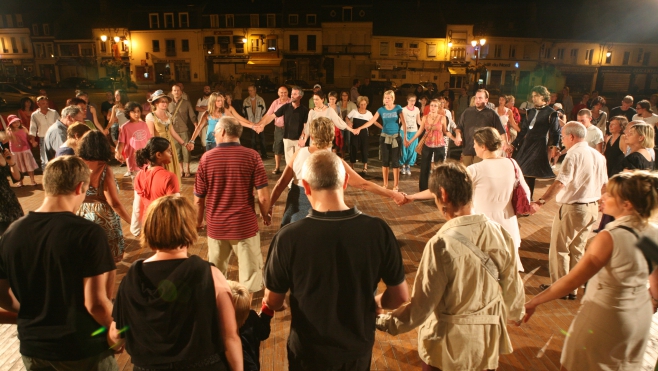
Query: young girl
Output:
(19,145)
(117,116)
(133,136)
(412,119)
(153,180)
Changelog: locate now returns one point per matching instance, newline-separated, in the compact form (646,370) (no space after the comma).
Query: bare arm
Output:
(94,118)
(228,328)
(373,120)
(264,204)
(596,256)
(118,152)
(113,117)
(418,133)
(393,296)
(244,122)
(266,120)
(151,126)
(282,183)
(200,210)
(599,147)
(274,300)
(175,135)
(7,299)
(356,181)
(112,196)
(513,122)
(96,299)
(202,123)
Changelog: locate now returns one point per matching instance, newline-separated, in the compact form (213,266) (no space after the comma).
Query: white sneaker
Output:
(127,174)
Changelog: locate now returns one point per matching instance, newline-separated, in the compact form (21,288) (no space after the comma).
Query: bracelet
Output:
(191,141)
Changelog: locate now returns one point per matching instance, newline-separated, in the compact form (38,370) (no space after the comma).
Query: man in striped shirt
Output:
(223,192)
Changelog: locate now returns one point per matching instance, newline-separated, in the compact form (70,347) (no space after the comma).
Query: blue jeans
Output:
(42,152)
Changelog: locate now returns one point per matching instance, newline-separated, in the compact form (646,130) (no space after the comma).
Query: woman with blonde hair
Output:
(639,137)
(390,142)
(611,329)
(297,205)
(175,310)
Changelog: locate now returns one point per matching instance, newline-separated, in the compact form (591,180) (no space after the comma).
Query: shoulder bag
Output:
(519,196)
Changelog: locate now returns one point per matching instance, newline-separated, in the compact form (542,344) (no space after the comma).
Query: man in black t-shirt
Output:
(331,262)
(626,109)
(474,118)
(58,267)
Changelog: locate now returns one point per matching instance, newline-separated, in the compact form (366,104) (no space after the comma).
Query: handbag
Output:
(419,146)
(520,201)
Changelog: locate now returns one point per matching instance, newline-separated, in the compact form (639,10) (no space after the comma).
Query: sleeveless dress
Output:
(613,157)
(96,209)
(297,204)
(162,130)
(611,330)
(20,149)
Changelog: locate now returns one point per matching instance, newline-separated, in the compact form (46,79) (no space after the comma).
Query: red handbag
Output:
(520,201)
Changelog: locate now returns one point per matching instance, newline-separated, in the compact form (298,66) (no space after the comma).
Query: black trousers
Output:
(258,139)
(360,143)
(530,180)
(426,164)
(359,364)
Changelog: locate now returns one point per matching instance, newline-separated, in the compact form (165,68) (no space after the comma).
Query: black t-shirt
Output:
(636,161)
(617,111)
(293,120)
(473,119)
(45,257)
(170,311)
(331,263)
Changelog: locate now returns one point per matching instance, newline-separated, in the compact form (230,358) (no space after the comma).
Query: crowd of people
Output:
(174,310)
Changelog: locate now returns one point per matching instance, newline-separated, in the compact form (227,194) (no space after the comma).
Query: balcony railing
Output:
(346,49)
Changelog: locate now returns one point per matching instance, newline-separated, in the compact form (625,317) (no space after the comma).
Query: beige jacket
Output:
(453,292)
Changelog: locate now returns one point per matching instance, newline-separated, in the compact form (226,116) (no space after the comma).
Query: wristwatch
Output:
(541,201)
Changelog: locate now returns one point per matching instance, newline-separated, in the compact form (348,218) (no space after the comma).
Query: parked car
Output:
(110,83)
(37,82)
(13,93)
(306,87)
(380,86)
(408,88)
(75,83)
(265,86)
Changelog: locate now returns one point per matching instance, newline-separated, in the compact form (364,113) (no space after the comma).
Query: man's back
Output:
(226,177)
(332,263)
(473,119)
(45,257)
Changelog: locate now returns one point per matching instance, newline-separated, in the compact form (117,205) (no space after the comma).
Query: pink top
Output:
(275,106)
(151,184)
(134,136)
(19,142)
(434,132)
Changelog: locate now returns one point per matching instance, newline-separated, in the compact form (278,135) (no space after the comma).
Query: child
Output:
(19,145)
(133,136)
(254,328)
(412,120)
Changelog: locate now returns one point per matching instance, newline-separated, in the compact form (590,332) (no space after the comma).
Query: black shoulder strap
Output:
(631,230)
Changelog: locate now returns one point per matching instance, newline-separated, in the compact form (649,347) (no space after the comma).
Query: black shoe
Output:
(544,287)
(572,297)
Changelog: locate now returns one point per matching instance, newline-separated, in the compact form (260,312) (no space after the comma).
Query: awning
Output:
(265,62)
(457,70)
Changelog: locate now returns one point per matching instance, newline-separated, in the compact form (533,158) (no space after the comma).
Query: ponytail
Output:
(147,155)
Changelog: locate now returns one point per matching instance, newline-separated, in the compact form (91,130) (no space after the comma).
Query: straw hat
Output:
(157,95)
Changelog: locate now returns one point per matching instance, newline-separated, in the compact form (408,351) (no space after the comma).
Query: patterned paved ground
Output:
(537,344)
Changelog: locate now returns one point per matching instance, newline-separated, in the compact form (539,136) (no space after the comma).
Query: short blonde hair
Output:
(360,99)
(170,223)
(646,131)
(390,93)
(241,301)
(77,130)
(63,174)
(322,132)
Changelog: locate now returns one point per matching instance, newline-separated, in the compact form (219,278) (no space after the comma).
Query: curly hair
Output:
(94,146)
(542,92)
(322,132)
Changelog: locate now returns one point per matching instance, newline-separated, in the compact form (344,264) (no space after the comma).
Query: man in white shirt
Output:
(577,189)
(40,121)
(253,109)
(594,137)
(201,107)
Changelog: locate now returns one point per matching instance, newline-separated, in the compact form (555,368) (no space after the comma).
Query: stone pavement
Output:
(537,345)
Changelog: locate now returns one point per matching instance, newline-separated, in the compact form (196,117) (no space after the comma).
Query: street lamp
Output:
(477,45)
(103,38)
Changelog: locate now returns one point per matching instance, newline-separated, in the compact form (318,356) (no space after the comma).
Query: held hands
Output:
(118,156)
(267,218)
(458,141)
(535,206)
(189,146)
(302,142)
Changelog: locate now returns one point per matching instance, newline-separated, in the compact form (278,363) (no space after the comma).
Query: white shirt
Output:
(594,136)
(411,118)
(202,102)
(39,123)
(651,120)
(583,173)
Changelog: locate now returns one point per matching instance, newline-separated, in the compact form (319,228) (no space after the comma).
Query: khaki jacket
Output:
(462,310)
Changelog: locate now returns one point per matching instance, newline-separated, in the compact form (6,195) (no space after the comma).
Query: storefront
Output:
(16,68)
(624,80)
(579,79)
(77,67)
(302,67)
(223,69)
(166,70)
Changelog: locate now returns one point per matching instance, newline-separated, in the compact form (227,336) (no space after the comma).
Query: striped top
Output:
(226,177)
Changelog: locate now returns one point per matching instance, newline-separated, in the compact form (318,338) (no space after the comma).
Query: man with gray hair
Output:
(56,134)
(334,258)
(577,189)
(295,116)
(223,193)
